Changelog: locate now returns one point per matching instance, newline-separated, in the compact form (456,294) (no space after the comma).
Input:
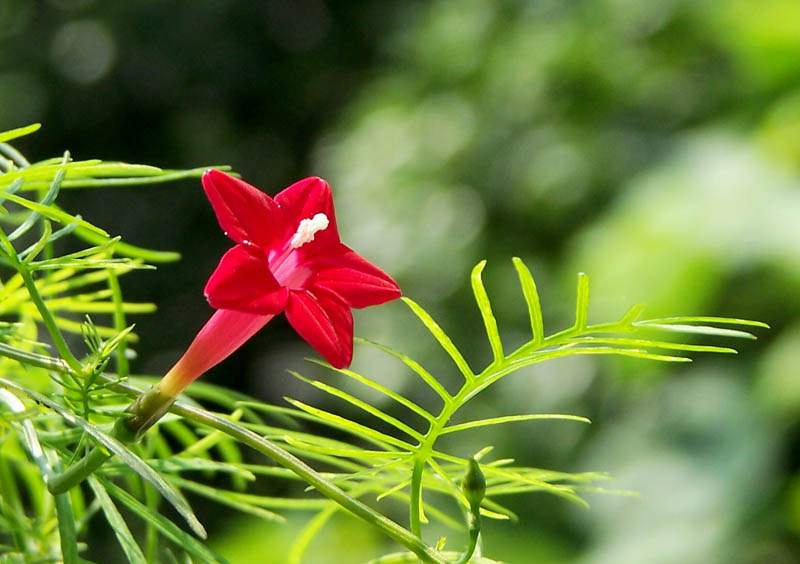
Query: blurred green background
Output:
(654,145)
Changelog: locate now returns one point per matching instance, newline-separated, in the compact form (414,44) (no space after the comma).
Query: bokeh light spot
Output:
(83,51)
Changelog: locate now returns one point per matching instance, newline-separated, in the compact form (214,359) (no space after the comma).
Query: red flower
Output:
(288,258)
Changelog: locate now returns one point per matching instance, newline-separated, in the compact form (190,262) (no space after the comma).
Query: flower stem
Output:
(78,472)
(416,497)
(403,536)
(142,414)
(474,533)
(474,488)
(411,541)
(153,403)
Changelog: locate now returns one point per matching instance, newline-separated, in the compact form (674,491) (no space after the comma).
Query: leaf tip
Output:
(200,530)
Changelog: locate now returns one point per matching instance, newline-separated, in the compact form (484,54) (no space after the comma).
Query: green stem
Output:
(416,497)
(152,404)
(144,412)
(78,472)
(308,474)
(49,321)
(36,298)
(474,533)
(119,323)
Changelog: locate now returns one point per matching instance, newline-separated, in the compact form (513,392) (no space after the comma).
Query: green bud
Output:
(474,486)
(143,413)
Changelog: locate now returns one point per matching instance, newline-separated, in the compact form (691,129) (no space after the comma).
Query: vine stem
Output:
(77,472)
(148,408)
(412,542)
(325,487)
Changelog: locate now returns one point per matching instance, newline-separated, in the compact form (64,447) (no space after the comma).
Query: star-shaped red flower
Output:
(289,258)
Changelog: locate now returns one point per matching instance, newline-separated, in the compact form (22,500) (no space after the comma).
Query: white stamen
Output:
(308,228)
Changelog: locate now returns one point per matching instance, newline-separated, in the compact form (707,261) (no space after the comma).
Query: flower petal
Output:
(356,280)
(303,200)
(325,322)
(243,282)
(225,332)
(245,213)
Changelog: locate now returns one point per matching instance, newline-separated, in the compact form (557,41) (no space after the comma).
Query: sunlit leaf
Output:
(351,426)
(485,307)
(385,417)
(441,336)
(380,388)
(696,329)
(53,213)
(19,132)
(417,368)
(511,419)
(531,298)
(582,302)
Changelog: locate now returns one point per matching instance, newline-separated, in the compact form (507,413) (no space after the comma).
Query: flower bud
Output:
(474,485)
